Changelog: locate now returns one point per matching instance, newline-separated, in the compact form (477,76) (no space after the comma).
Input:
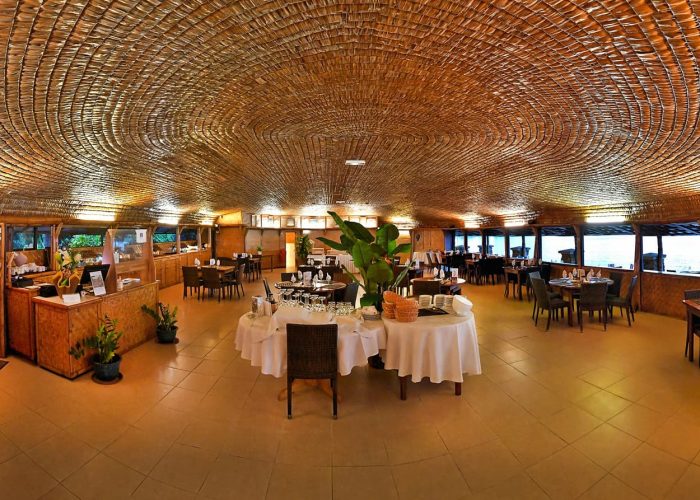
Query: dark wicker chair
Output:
(312,353)
(421,287)
(234,281)
(190,281)
(553,304)
(623,302)
(306,269)
(694,329)
(286,276)
(615,289)
(330,270)
(593,298)
(350,294)
(268,292)
(212,281)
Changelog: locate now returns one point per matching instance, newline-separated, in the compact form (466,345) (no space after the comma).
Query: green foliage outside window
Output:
(81,241)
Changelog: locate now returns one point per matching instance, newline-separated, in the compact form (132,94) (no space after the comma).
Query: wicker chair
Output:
(694,330)
(350,294)
(330,271)
(426,287)
(212,281)
(308,269)
(623,302)
(615,289)
(552,304)
(268,292)
(235,281)
(593,298)
(312,353)
(286,276)
(190,281)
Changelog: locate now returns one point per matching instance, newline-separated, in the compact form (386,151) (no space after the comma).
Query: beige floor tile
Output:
(422,480)
(255,442)
(419,444)
(184,467)
(103,478)
(512,355)
(62,454)
(688,486)
(171,376)
(28,430)
(163,422)
(312,448)
(651,471)
(602,377)
(182,399)
(7,449)
(486,465)
(185,363)
(502,373)
(194,351)
(632,388)
(150,489)
(206,434)
(138,449)
(679,437)
(358,448)
(59,492)
(607,446)
(531,443)
(571,423)
(290,482)
(520,487)
(97,430)
(21,478)
(611,488)
(566,474)
(464,432)
(235,477)
(198,382)
(603,404)
(212,367)
(638,421)
(350,483)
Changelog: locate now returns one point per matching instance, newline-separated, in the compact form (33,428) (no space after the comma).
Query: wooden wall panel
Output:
(125,308)
(230,240)
(20,321)
(663,293)
(425,239)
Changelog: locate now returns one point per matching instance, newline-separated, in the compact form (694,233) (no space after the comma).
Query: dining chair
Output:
(312,353)
(306,269)
(286,276)
(331,260)
(234,281)
(624,302)
(350,293)
(694,329)
(616,287)
(330,271)
(212,281)
(544,301)
(268,292)
(426,287)
(190,281)
(593,298)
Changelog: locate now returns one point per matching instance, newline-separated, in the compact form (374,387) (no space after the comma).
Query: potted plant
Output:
(105,343)
(303,247)
(166,322)
(259,249)
(66,279)
(372,255)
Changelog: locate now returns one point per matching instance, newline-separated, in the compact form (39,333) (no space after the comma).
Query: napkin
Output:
(299,275)
(598,275)
(442,274)
(563,274)
(218,262)
(196,262)
(294,278)
(461,305)
(212,262)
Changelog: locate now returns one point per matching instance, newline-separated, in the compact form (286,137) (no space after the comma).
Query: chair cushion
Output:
(558,302)
(617,301)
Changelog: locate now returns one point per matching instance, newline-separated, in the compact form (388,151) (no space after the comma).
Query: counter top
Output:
(58,301)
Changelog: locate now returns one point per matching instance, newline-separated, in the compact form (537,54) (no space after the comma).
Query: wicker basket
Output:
(389,310)
(407,311)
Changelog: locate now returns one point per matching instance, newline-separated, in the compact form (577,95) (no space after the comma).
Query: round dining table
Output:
(571,287)
(447,285)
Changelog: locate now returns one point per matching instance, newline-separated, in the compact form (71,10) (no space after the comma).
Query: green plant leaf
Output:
(402,248)
(342,226)
(378,250)
(360,231)
(380,272)
(369,299)
(333,244)
(362,254)
(347,243)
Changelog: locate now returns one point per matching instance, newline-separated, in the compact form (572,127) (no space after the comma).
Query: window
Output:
(474,241)
(164,238)
(188,236)
(495,242)
(81,237)
(23,238)
(609,246)
(671,248)
(459,241)
(521,243)
(559,245)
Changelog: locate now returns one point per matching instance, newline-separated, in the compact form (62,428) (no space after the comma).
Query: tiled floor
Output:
(561,414)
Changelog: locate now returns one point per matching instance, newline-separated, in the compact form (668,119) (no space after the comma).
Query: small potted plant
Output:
(303,247)
(166,322)
(259,249)
(105,343)
(66,279)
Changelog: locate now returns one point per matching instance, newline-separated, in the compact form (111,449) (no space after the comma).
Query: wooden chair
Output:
(212,281)
(312,353)
(190,281)
(615,289)
(431,287)
(694,329)
(330,270)
(624,302)
(544,301)
(286,276)
(307,269)
(350,294)
(593,298)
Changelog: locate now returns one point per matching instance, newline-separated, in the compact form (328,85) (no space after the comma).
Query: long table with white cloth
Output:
(441,348)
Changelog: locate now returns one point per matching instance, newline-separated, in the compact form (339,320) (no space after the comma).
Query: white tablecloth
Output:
(263,340)
(439,347)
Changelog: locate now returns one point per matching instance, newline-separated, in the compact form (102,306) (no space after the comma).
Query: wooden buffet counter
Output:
(169,267)
(59,326)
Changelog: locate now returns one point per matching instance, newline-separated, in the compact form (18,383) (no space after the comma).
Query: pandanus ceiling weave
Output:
(460,108)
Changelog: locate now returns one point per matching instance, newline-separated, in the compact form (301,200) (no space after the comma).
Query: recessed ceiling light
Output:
(169,221)
(515,223)
(96,215)
(354,163)
(340,202)
(605,218)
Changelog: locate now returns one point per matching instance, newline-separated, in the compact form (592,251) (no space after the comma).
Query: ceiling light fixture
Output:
(340,202)
(355,163)
(605,218)
(515,223)
(169,221)
(96,215)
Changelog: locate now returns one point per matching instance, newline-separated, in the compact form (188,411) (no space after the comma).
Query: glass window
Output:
(459,241)
(495,242)
(559,245)
(81,237)
(188,239)
(474,242)
(23,238)
(521,243)
(678,245)
(43,238)
(609,246)
(164,238)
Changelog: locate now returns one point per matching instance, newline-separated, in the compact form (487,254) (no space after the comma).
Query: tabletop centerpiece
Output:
(66,279)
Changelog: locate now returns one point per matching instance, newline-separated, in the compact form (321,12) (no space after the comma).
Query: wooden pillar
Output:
(578,231)
(506,243)
(3,333)
(484,241)
(537,251)
(638,264)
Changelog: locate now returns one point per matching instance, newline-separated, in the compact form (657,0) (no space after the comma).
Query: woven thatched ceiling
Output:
(458,107)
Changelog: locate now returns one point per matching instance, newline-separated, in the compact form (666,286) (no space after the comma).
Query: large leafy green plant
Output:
(371,254)
(303,247)
(105,342)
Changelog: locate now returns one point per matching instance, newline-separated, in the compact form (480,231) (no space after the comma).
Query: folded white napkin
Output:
(461,305)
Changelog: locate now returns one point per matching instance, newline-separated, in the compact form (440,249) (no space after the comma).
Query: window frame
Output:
(658,230)
(621,229)
(566,229)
